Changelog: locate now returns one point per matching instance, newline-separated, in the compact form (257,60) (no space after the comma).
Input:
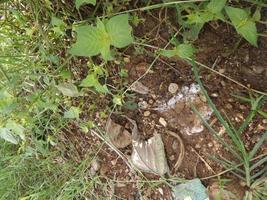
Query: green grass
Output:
(245,166)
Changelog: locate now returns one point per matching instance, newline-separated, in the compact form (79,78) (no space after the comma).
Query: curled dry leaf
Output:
(118,135)
(148,156)
(138,87)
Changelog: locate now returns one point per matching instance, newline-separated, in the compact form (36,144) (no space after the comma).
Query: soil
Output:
(218,48)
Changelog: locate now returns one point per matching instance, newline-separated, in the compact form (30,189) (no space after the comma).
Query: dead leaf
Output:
(118,135)
(138,87)
(148,156)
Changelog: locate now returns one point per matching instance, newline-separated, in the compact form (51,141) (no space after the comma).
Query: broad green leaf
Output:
(184,51)
(119,31)
(72,113)
(57,22)
(92,81)
(216,6)
(88,41)
(68,89)
(236,15)
(16,129)
(94,40)
(249,32)
(105,41)
(79,3)
(243,24)
(5,133)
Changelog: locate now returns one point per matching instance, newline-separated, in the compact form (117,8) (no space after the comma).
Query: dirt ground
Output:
(218,48)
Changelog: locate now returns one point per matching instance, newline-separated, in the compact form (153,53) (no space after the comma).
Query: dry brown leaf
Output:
(118,135)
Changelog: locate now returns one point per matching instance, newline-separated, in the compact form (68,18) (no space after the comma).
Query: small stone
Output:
(223,83)
(258,69)
(221,71)
(113,162)
(95,166)
(172,157)
(117,62)
(126,59)
(197,146)
(146,113)
(174,145)
(264,121)
(173,88)
(160,191)
(242,107)
(210,144)
(163,122)
(228,106)
(150,101)
(143,105)
(120,185)
(214,95)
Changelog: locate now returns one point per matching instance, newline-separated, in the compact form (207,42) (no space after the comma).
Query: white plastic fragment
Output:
(178,110)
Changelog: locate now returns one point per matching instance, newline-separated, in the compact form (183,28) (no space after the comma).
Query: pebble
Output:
(174,145)
(126,59)
(210,144)
(173,88)
(163,122)
(150,101)
(160,191)
(113,162)
(228,106)
(214,95)
(197,146)
(264,121)
(221,71)
(146,113)
(172,157)
(143,105)
(258,69)
(223,83)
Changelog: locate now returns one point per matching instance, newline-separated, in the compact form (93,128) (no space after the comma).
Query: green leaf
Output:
(243,24)
(79,3)
(94,40)
(68,89)
(72,113)
(92,81)
(184,51)
(5,133)
(119,31)
(216,6)
(16,129)
(88,41)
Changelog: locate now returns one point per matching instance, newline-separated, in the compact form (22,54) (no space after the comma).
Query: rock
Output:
(146,113)
(143,105)
(173,88)
(214,95)
(113,162)
(172,157)
(258,69)
(95,166)
(174,145)
(163,122)
(221,71)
